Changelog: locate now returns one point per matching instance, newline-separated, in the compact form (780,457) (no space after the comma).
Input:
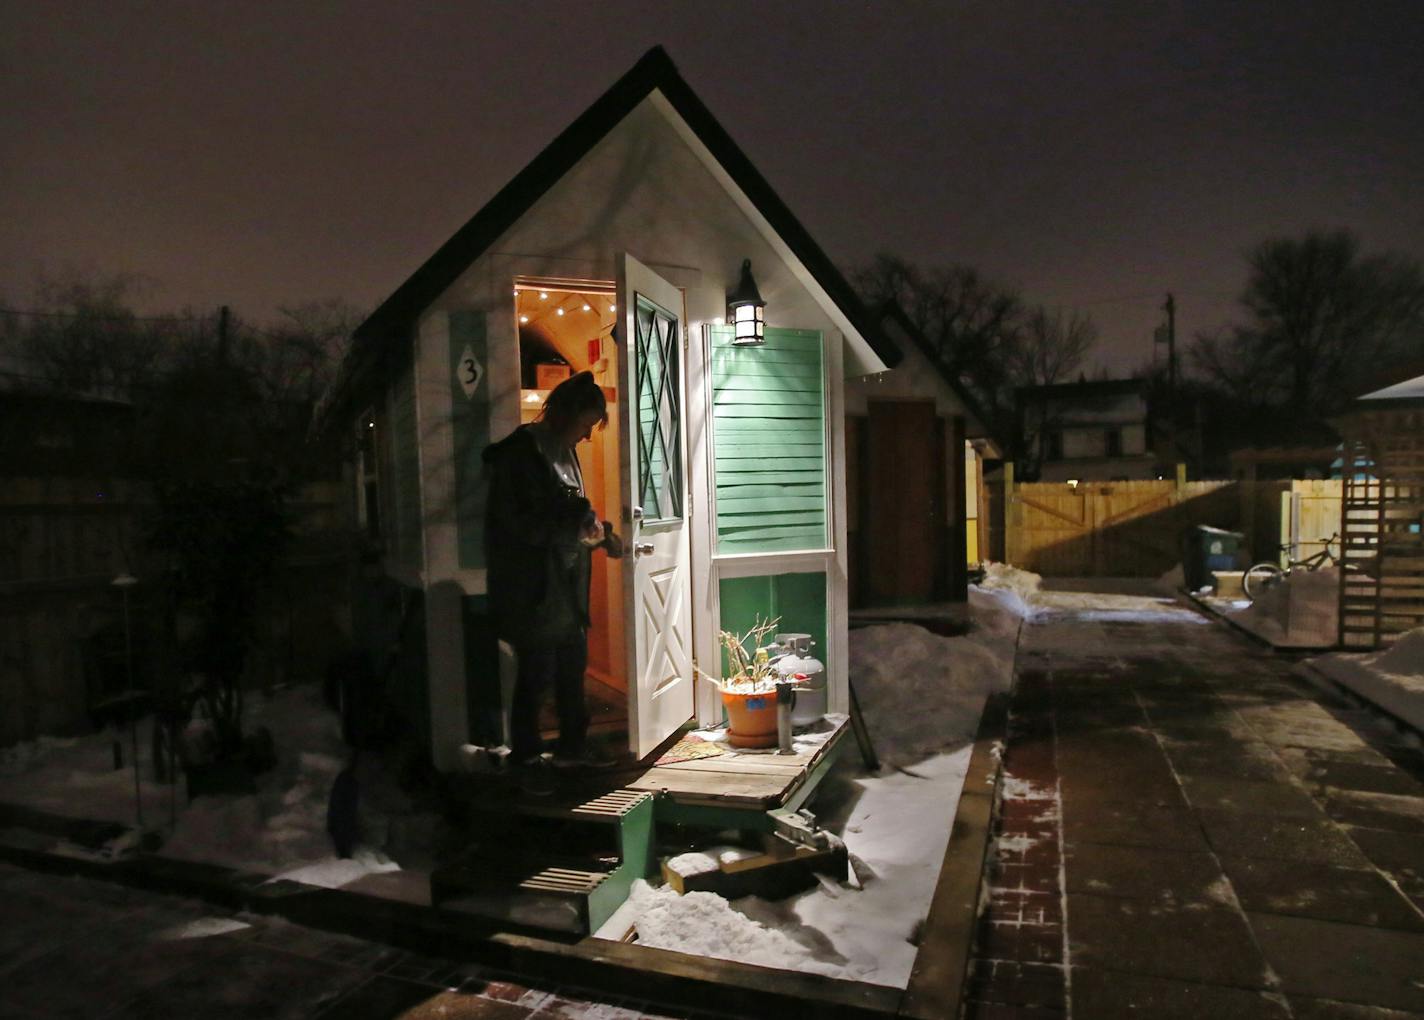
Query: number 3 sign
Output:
(469,371)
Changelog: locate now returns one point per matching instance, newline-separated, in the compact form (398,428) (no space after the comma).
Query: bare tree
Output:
(1051,346)
(82,336)
(1320,320)
(983,334)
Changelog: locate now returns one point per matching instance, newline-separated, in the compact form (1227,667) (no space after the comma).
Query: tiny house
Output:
(723,464)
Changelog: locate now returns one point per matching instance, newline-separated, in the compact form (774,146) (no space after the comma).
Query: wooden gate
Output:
(1110,529)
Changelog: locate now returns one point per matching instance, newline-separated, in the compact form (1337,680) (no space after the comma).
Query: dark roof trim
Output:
(891,310)
(396,316)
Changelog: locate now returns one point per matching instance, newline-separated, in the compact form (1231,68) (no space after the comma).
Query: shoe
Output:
(535,779)
(586,759)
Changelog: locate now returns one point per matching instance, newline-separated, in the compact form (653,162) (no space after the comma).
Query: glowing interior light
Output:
(613,308)
(524,318)
(516,291)
(543,295)
(587,308)
(561,311)
(531,398)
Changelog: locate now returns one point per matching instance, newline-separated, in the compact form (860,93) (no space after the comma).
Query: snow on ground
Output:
(1106,607)
(1392,679)
(922,695)
(279,831)
(1298,612)
(1010,583)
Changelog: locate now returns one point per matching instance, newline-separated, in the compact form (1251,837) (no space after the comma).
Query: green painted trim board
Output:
(470,425)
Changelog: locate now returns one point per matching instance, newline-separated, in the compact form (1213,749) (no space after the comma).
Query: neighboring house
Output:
(1092,431)
(723,467)
(916,442)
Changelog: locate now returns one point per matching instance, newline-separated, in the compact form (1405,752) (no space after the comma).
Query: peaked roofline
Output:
(653,72)
(892,310)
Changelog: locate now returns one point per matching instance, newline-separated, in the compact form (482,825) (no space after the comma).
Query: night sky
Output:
(1094,156)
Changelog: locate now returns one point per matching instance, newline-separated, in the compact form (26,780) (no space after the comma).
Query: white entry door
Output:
(657,580)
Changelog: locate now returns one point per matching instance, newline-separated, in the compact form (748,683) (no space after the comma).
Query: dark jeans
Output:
(563,666)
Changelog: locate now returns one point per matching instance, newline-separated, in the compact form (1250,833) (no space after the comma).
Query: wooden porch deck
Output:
(754,780)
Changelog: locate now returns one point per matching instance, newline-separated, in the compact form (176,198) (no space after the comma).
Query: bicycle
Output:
(1259,578)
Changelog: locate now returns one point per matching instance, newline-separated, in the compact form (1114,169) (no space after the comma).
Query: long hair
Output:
(574,396)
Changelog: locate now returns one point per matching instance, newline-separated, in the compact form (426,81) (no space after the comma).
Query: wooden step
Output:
(557,865)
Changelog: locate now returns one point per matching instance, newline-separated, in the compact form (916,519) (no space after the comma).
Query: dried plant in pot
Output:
(749,691)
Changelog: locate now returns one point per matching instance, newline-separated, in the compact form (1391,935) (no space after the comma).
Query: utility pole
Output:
(1171,309)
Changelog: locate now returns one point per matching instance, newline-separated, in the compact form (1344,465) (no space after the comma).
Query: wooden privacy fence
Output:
(1109,529)
(63,541)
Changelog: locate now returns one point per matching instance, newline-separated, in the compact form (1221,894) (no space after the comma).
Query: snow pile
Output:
(1392,679)
(1405,657)
(279,831)
(334,872)
(921,693)
(1172,581)
(706,925)
(1019,586)
(282,830)
(1301,609)
(202,928)
(26,755)
(690,864)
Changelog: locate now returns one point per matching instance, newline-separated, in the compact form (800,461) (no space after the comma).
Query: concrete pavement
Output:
(1188,830)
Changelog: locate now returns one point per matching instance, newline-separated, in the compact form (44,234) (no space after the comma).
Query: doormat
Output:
(689,748)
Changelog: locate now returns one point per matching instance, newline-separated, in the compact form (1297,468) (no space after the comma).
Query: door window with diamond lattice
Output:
(659,417)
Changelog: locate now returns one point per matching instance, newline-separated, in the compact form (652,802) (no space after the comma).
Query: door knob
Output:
(637,513)
(642,548)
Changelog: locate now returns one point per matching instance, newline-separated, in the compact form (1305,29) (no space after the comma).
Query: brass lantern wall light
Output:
(746,311)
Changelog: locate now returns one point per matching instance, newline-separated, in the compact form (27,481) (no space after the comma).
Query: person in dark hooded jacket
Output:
(540,533)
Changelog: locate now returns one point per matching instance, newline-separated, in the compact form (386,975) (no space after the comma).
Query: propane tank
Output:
(809,674)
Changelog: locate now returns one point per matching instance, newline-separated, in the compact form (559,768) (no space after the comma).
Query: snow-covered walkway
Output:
(1189,830)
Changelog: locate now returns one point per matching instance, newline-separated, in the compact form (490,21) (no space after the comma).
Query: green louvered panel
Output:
(797,600)
(769,436)
(405,463)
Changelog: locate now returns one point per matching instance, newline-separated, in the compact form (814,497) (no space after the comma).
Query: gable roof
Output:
(1086,389)
(902,327)
(654,72)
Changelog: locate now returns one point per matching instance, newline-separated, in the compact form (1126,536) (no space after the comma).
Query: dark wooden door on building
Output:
(902,558)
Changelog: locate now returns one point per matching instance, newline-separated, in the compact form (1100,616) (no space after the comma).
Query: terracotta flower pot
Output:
(751,718)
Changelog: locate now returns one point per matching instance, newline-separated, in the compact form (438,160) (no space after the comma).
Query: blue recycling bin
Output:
(1208,549)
